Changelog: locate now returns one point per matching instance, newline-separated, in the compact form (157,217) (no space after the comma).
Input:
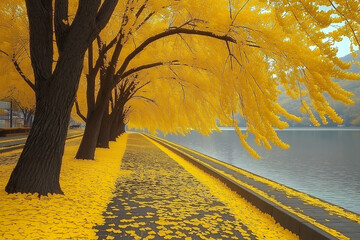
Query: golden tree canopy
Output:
(274,48)
(232,57)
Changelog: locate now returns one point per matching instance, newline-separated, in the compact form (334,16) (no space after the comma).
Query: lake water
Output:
(324,163)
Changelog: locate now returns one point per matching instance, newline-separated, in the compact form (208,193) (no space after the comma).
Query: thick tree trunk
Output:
(94,119)
(104,134)
(113,130)
(93,123)
(89,140)
(120,125)
(38,167)
(114,124)
(121,129)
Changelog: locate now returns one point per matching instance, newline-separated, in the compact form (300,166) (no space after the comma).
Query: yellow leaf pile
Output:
(88,187)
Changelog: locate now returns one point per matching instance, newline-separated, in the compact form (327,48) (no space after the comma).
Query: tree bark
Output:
(121,128)
(91,133)
(88,142)
(39,165)
(90,138)
(115,115)
(104,134)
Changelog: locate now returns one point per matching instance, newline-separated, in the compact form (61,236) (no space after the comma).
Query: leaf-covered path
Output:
(158,197)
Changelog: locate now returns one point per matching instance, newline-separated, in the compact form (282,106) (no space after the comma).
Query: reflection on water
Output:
(323,163)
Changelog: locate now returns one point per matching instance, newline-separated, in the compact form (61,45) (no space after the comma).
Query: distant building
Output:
(9,118)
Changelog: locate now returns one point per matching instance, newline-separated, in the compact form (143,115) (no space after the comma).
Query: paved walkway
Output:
(156,198)
(312,213)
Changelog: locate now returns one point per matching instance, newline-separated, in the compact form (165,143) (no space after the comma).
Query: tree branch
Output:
(237,13)
(117,78)
(19,70)
(118,35)
(141,9)
(41,39)
(4,53)
(167,33)
(61,23)
(78,111)
(90,81)
(146,99)
(138,89)
(105,12)
(347,21)
(145,20)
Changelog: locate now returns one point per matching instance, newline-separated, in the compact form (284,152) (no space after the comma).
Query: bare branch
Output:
(78,111)
(19,70)
(4,53)
(26,79)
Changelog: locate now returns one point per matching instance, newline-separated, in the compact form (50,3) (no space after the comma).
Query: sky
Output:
(343,47)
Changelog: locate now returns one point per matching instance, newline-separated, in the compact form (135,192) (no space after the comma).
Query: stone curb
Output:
(21,145)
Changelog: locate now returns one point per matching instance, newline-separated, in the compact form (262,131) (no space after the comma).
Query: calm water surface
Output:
(321,162)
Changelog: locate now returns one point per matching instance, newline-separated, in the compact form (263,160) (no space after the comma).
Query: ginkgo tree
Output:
(126,48)
(113,123)
(76,24)
(252,58)
(205,63)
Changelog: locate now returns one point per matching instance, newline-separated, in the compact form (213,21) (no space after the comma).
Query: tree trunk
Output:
(121,128)
(104,134)
(114,124)
(94,119)
(38,168)
(89,140)
(93,123)
(121,123)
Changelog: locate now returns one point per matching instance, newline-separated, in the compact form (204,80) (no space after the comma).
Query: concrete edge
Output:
(300,227)
(11,148)
(21,145)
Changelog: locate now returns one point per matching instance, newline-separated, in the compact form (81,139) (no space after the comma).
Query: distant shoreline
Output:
(303,129)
